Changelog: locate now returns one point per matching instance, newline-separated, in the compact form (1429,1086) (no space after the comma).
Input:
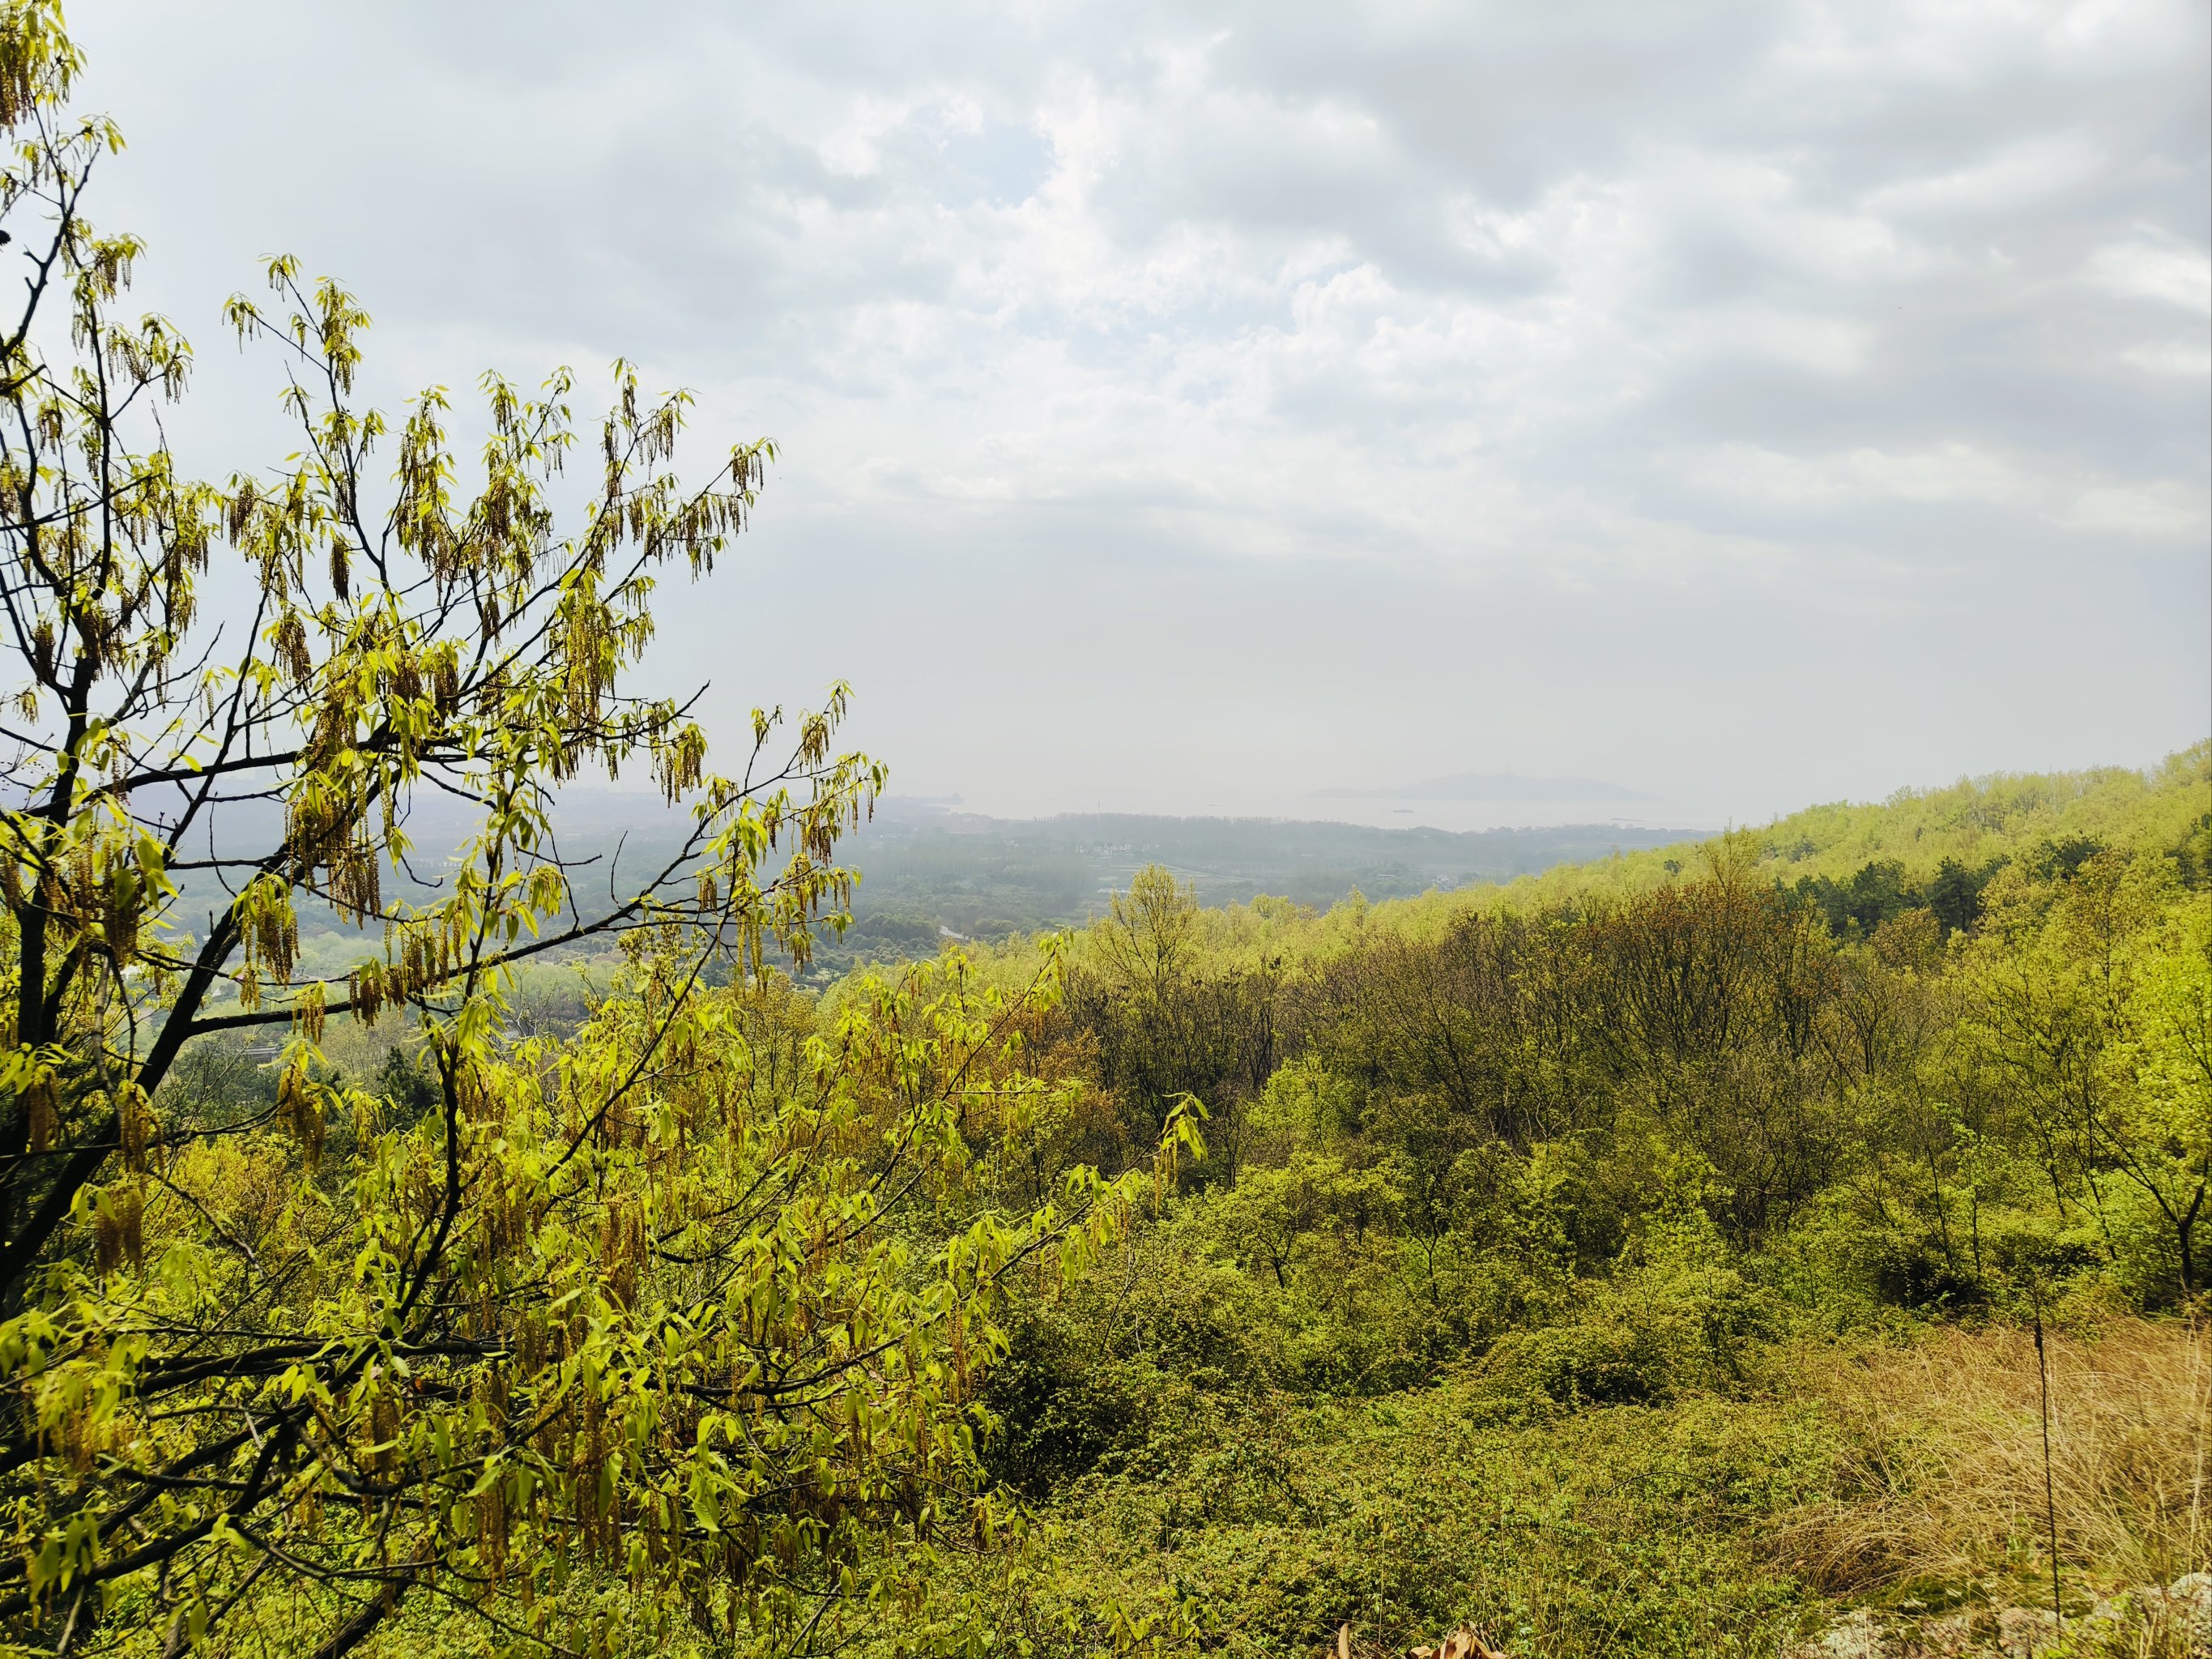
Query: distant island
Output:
(1489,786)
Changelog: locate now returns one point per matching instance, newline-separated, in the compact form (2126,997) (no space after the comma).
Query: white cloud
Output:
(2151,510)
(2157,268)
(1651,334)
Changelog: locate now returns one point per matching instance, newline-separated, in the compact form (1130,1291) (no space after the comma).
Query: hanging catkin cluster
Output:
(134,1126)
(269,930)
(418,956)
(300,1108)
(42,1111)
(622,1249)
(119,1227)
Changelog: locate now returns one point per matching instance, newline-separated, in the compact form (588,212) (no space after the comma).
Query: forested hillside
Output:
(929,874)
(1646,1257)
(1649,1257)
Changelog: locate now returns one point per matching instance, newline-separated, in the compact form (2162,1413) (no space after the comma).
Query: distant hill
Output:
(1489,786)
(973,876)
(930,870)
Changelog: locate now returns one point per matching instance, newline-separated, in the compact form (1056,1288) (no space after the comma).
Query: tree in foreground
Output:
(639,1335)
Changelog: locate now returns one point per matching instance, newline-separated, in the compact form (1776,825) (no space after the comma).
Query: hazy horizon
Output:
(1183,410)
(1385,812)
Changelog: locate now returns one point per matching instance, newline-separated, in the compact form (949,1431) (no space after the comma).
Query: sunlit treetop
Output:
(616,1338)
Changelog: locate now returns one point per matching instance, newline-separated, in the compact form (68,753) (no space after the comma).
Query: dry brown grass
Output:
(1941,1475)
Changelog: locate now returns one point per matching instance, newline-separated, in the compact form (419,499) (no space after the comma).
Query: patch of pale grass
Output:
(1940,1466)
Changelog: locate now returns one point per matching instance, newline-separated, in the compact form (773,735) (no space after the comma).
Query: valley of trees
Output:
(928,876)
(1674,1253)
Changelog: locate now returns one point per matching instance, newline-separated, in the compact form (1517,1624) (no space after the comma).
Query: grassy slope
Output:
(1904,1477)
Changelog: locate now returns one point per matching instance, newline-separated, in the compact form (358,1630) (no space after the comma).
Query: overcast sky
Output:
(1186,406)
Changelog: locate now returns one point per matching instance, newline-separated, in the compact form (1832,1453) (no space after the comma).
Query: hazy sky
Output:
(1187,406)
